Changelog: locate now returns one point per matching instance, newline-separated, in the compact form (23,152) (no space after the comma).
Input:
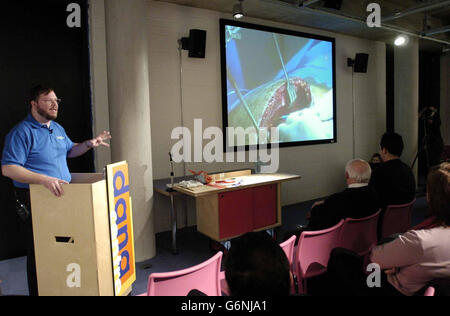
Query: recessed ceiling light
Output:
(401,40)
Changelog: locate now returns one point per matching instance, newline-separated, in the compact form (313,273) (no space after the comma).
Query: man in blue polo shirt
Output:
(36,152)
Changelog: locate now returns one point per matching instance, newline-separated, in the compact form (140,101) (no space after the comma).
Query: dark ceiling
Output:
(428,20)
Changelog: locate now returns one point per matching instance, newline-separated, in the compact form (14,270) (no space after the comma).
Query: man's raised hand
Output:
(99,140)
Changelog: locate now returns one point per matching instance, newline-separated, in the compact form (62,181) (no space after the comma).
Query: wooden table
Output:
(224,212)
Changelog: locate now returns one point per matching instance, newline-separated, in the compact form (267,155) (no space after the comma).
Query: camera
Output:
(428,114)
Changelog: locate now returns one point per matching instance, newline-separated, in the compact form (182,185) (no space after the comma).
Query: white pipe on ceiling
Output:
(348,17)
(421,8)
(439,30)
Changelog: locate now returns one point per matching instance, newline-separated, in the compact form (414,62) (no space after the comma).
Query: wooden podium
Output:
(77,240)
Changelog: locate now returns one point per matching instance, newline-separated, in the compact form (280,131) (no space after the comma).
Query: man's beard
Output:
(46,115)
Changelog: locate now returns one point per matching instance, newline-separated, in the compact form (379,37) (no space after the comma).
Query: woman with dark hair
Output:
(433,190)
(438,196)
(411,260)
(376,158)
(375,161)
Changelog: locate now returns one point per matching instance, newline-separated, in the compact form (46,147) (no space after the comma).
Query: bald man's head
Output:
(358,171)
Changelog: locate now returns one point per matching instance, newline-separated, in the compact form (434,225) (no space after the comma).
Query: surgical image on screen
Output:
(278,80)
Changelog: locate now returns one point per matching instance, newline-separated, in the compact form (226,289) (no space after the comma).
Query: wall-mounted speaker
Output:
(195,43)
(333,4)
(361,61)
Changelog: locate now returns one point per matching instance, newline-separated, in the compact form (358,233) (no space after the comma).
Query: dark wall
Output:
(429,95)
(38,47)
(429,79)
(390,89)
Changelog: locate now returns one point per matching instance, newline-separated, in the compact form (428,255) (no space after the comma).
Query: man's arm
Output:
(327,213)
(404,251)
(23,175)
(81,148)
(78,150)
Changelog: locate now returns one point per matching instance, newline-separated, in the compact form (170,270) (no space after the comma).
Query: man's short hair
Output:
(359,170)
(256,265)
(393,143)
(36,91)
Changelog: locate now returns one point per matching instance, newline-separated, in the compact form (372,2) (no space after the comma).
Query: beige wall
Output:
(321,166)
(99,72)
(120,80)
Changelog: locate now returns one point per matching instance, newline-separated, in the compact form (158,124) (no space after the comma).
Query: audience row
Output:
(257,266)
(402,265)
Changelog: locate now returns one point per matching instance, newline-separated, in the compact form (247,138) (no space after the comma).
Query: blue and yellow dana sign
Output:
(121,224)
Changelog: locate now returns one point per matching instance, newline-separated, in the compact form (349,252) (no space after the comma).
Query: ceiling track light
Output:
(238,13)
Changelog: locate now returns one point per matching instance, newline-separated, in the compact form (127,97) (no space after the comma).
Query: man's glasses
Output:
(51,101)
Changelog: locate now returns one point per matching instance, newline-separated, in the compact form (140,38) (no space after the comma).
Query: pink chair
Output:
(203,277)
(430,291)
(313,252)
(223,284)
(397,219)
(359,235)
(288,248)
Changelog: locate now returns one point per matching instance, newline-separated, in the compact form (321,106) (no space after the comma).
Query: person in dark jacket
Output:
(358,200)
(394,180)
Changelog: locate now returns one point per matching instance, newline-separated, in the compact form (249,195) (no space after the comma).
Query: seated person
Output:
(431,221)
(393,181)
(256,266)
(427,223)
(375,161)
(411,260)
(357,201)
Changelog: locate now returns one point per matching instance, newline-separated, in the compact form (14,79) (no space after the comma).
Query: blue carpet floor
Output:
(193,248)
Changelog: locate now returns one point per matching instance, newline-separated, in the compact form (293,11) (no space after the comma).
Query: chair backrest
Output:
(359,235)
(397,219)
(314,249)
(430,291)
(203,277)
(288,248)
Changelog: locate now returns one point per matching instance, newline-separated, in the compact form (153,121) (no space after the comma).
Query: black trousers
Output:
(346,276)
(23,196)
